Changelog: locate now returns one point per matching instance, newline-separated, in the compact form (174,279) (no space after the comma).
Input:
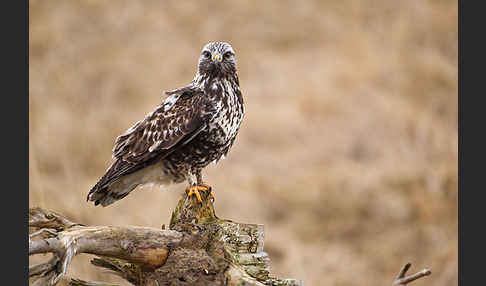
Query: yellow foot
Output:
(210,189)
(194,190)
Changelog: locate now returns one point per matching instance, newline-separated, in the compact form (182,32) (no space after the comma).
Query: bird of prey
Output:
(194,126)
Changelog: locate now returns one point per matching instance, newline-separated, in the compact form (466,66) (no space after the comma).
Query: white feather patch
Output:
(170,101)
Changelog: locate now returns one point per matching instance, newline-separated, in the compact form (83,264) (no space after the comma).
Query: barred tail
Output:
(107,195)
(122,178)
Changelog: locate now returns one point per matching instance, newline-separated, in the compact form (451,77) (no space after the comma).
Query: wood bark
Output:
(198,249)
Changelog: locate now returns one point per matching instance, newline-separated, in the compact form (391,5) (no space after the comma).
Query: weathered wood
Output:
(198,249)
(240,243)
(79,282)
(46,219)
(146,247)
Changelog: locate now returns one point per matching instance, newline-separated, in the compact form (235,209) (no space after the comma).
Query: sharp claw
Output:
(206,186)
(194,190)
(198,196)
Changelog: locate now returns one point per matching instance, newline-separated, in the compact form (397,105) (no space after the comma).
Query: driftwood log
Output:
(197,249)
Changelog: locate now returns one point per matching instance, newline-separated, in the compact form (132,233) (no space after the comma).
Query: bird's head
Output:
(217,59)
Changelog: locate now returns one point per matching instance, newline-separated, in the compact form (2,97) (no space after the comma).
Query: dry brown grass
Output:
(348,151)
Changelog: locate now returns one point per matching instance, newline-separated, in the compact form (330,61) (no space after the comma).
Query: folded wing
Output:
(172,124)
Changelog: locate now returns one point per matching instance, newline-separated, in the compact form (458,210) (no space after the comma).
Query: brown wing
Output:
(160,130)
(172,124)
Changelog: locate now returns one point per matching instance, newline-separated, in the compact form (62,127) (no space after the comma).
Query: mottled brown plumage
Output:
(197,124)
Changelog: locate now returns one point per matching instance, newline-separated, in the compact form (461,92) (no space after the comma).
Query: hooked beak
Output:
(217,58)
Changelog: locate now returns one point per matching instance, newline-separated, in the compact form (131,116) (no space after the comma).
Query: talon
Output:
(211,195)
(194,190)
(206,187)
(210,190)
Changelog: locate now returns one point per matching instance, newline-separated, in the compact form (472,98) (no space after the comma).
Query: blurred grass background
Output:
(348,150)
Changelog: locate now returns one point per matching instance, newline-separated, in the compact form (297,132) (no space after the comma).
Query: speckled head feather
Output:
(217,59)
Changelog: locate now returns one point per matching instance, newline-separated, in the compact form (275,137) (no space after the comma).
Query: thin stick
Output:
(402,280)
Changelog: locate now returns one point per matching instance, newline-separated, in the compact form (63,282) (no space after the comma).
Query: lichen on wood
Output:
(240,244)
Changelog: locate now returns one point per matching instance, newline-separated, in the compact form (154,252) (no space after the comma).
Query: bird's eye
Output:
(228,55)
(206,54)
